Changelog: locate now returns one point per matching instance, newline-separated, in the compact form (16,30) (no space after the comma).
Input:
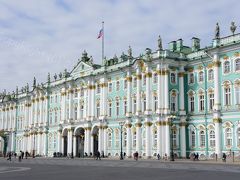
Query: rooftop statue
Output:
(60,75)
(48,78)
(130,51)
(34,82)
(233,27)
(159,42)
(55,76)
(217,31)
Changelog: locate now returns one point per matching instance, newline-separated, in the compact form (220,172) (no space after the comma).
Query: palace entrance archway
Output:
(80,136)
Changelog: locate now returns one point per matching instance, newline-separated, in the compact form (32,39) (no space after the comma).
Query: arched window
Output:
(98,88)
(210,75)
(201,102)
(173,102)
(134,105)
(228,135)
(173,78)
(237,65)
(193,138)
(117,85)
(200,78)
(56,116)
(117,107)
(202,139)
(144,104)
(238,136)
(81,109)
(212,138)
(226,67)
(211,100)
(75,112)
(109,139)
(191,102)
(227,92)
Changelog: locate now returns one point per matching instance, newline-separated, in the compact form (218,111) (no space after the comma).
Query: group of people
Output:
(20,155)
(195,157)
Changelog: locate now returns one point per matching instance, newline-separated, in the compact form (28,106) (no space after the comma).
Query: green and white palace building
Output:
(181,98)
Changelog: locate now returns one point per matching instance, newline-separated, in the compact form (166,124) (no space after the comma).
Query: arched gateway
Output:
(95,135)
(80,138)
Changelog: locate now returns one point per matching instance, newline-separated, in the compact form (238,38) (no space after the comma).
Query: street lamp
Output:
(172,153)
(121,153)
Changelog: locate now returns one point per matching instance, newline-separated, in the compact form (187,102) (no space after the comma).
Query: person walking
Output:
(158,156)
(9,156)
(98,156)
(20,156)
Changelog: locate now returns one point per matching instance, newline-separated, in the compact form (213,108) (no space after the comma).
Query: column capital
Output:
(217,120)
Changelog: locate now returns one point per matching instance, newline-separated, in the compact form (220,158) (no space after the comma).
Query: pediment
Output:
(81,68)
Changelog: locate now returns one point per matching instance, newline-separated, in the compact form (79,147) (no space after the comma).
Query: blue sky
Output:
(37,37)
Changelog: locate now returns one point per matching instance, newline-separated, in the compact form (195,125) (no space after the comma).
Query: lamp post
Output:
(172,153)
(121,153)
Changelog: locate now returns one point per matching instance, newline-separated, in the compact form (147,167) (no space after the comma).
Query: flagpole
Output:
(103,43)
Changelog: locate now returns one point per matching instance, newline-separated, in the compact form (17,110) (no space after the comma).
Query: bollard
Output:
(233,156)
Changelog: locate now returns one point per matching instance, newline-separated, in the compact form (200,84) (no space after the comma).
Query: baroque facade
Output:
(181,98)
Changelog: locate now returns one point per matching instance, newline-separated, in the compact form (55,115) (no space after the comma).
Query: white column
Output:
(159,89)
(148,128)
(167,136)
(89,140)
(91,147)
(138,136)
(63,105)
(59,141)
(46,110)
(166,91)
(183,139)
(129,140)
(45,142)
(159,138)
(105,142)
(217,105)
(13,141)
(85,110)
(71,108)
(38,143)
(181,91)
(78,107)
(218,125)
(70,133)
(41,111)
(89,100)
(129,93)
(86,139)
(74,145)
(216,67)
(62,144)
(93,101)
(103,98)
(100,139)
(148,90)
(138,96)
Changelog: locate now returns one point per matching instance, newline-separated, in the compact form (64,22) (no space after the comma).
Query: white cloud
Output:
(48,36)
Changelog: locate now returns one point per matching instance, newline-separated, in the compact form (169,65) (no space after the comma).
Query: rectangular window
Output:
(117,85)
(173,103)
(134,105)
(227,97)
(237,91)
(192,103)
